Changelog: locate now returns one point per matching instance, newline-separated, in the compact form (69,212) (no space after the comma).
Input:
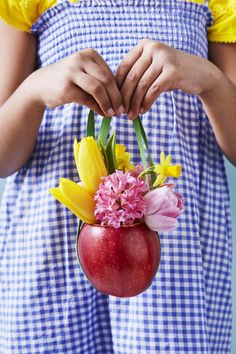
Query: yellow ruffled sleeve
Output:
(21,14)
(223,28)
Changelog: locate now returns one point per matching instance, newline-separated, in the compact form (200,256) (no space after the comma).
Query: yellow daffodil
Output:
(164,169)
(123,159)
(76,198)
(89,163)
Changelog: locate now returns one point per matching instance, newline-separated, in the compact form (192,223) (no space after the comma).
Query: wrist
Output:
(213,82)
(32,91)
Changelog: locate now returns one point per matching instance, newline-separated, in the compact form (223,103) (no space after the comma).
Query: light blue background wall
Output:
(231,171)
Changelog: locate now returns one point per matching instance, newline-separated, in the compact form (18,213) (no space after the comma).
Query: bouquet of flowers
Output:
(121,208)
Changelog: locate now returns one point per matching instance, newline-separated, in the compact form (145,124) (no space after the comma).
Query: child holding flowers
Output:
(134,57)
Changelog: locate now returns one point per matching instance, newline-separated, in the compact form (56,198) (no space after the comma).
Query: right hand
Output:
(83,77)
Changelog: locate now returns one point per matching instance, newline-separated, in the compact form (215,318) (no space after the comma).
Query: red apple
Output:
(120,262)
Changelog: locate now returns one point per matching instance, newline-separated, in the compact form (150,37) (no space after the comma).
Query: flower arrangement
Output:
(116,197)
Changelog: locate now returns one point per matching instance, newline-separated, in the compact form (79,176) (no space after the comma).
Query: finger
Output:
(97,58)
(161,84)
(95,89)
(107,79)
(148,78)
(127,63)
(132,79)
(102,63)
(80,96)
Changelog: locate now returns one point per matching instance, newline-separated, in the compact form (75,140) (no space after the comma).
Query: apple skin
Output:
(120,262)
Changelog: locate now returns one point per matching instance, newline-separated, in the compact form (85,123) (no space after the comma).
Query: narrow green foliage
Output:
(103,150)
(136,123)
(147,171)
(144,137)
(90,129)
(111,153)
(104,130)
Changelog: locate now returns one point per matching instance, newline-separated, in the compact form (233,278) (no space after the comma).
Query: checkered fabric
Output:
(46,303)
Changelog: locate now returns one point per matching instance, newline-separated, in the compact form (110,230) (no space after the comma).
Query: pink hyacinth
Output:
(120,199)
(163,207)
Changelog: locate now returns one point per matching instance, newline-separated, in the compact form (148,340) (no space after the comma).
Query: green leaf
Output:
(80,225)
(147,171)
(104,130)
(90,130)
(102,137)
(103,151)
(144,136)
(111,153)
(137,128)
(140,141)
(145,140)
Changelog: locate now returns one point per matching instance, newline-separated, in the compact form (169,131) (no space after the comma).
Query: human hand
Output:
(83,77)
(151,68)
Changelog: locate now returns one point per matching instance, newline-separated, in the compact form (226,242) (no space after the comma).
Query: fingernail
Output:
(121,109)
(110,112)
(142,110)
(130,114)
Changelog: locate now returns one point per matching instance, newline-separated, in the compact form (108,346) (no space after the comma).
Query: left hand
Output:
(151,68)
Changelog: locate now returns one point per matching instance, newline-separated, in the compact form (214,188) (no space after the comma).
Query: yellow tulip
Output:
(76,198)
(76,153)
(90,163)
(123,159)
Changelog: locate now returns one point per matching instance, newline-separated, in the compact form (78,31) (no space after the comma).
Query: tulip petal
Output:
(78,197)
(56,193)
(157,200)
(154,201)
(162,209)
(171,211)
(160,223)
(76,153)
(91,164)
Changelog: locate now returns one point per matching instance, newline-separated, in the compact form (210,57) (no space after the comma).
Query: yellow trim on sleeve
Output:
(223,28)
(22,14)
(196,1)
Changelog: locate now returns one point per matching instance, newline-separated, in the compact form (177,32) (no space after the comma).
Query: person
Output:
(121,59)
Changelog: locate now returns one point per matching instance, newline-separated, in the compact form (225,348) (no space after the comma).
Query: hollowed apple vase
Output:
(120,262)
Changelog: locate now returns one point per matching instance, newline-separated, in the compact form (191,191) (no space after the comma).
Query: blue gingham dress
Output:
(46,303)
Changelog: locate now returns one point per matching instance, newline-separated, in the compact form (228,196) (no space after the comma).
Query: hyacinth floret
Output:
(120,199)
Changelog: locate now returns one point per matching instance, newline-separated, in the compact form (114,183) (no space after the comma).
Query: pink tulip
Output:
(163,207)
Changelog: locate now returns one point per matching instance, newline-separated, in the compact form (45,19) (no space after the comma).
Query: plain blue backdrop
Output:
(231,172)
